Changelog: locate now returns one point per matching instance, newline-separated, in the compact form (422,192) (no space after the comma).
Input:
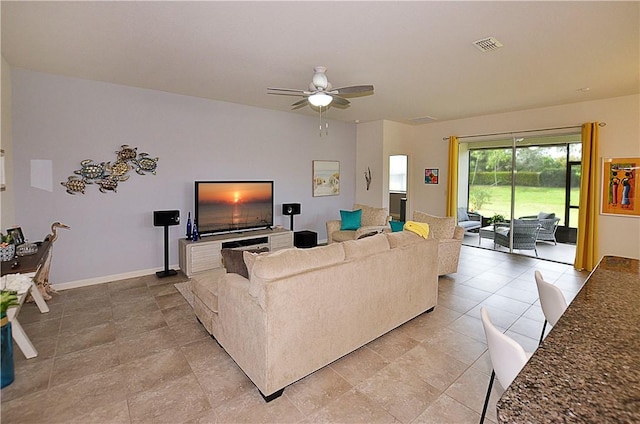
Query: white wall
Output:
(65,120)
(619,138)
(369,155)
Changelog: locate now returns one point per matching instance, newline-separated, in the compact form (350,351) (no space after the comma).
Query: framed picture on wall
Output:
(431,176)
(620,186)
(326,178)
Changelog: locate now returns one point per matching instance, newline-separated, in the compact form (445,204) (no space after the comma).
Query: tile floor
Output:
(131,351)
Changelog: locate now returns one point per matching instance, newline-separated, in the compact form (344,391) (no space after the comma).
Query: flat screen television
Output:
(232,206)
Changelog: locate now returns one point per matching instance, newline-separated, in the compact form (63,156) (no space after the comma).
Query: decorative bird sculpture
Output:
(42,276)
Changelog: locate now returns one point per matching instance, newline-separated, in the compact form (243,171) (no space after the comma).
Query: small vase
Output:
(189,227)
(7,374)
(7,253)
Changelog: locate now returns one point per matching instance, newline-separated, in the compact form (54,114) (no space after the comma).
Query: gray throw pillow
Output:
(233,261)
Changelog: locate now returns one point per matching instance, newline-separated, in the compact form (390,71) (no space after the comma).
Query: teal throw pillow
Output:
(396,225)
(350,219)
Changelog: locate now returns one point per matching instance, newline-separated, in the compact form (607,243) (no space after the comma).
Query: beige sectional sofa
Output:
(302,309)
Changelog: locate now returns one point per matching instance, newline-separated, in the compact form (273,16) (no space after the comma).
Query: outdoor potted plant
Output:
(8,299)
(496,218)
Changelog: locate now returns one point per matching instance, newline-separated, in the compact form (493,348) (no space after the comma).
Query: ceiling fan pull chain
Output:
(320,121)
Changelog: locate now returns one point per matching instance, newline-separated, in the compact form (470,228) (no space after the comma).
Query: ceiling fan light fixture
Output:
(320,99)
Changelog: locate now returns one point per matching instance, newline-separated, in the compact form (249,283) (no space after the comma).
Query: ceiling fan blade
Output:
(293,90)
(353,89)
(340,101)
(300,104)
(289,94)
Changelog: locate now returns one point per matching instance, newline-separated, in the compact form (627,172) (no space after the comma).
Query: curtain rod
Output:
(601,124)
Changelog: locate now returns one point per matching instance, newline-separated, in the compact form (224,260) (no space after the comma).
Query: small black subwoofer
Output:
(166,219)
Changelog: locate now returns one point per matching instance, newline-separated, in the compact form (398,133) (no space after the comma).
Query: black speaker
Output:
(291,209)
(163,218)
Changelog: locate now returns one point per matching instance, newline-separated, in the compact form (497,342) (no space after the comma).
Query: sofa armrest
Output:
(375,229)
(458,233)
(332,227)
(474,216)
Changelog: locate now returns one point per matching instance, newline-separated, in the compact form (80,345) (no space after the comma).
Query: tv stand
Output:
(204,254)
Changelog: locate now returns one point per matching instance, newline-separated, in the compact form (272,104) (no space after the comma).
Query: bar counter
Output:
(588,367)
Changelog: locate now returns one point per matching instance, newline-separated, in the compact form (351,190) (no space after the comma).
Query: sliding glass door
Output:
(523,177)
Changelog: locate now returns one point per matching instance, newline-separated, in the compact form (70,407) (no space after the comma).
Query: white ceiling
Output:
(418,55)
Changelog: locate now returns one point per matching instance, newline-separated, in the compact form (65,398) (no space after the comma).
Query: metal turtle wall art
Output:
(74,185)
(107,175)
(90,170)
(146,164)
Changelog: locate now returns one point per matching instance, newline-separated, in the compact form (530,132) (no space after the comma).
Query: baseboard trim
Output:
(107,278)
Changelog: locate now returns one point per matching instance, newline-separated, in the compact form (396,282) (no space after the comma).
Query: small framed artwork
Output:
(431,176)
(16,235)
(619,186)
(326,178)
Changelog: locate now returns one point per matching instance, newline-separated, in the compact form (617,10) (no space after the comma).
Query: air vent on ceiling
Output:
(423,120)
(487,44)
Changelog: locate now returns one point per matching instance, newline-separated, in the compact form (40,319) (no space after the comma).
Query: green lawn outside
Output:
(529,201)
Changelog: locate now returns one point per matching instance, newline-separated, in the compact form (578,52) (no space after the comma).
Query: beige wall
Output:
(619,138)
(7,214)
(369,148)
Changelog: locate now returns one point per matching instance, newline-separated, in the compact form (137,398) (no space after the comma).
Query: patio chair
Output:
(469,220)
(548,226)
(525,234)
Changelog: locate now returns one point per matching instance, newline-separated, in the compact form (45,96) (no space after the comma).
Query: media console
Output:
(204,254)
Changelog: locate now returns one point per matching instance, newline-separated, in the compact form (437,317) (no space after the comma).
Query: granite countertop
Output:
(588,367)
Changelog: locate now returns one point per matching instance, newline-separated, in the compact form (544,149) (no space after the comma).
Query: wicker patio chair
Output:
(525,234)
(548,226)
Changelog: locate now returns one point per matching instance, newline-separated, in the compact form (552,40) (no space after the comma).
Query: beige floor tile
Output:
(463,348)
(352,407)
(317,390)
(79,320)
(27,409)
(78,364)
(392,345)
(433,366)
(30,377)
(224,382)
(446,410)
(176,401)
(72,341)
(136,324)
(153,371)
(140,345)
(359,365)
(400,391)
(249,407)
(84,395)
(470,390)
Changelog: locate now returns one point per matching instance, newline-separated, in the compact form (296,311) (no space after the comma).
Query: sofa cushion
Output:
(462,215)
(372,216)
(544,215)
(396,225)
(365,246)
(351,220)
(286,262)
(233,260)
(440,227)
(403,238)
(205,287)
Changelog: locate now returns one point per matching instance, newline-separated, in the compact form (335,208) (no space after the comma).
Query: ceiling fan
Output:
(321,93)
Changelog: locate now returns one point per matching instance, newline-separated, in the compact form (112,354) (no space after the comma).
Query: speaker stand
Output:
(291,222)
(167,272)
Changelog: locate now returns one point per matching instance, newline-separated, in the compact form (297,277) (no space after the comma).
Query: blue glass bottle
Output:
(194,235)
(189,227)
(6,355)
